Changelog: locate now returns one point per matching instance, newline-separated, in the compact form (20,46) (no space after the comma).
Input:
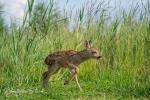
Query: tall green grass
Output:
(123,72)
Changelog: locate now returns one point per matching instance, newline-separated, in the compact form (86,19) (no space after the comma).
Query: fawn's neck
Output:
(83,55)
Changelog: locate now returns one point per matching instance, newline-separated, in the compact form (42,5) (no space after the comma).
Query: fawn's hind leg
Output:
(46,75)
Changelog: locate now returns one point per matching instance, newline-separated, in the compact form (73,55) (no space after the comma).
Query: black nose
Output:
(99,57)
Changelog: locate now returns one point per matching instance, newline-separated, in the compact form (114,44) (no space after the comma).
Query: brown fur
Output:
(68,59)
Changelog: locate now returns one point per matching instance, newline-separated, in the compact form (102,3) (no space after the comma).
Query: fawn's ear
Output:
(88,44)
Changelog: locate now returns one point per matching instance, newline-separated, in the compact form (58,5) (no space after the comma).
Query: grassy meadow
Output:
(124,40)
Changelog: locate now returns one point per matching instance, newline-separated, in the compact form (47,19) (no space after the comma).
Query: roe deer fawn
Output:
(69,59)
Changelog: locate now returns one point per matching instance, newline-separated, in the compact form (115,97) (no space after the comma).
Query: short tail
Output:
(49,61)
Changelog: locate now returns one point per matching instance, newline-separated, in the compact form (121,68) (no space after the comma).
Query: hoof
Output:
(45,85)
(66,82)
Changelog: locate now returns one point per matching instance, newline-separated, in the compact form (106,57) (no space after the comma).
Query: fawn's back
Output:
(61,57)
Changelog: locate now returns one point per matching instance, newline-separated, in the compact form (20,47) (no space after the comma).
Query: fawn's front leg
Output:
(74,71)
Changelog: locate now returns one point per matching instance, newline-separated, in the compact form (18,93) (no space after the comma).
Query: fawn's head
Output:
(91,52)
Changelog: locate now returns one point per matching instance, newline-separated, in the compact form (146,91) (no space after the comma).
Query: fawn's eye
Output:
(93,52)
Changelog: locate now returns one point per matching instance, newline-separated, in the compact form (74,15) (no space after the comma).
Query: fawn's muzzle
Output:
(99,57)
